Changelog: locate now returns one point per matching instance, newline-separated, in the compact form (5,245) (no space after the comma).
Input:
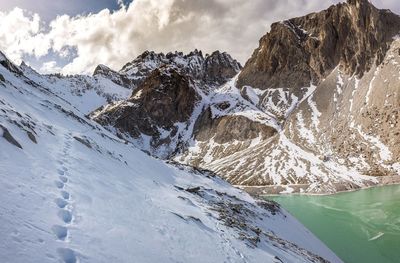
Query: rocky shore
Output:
(309,189)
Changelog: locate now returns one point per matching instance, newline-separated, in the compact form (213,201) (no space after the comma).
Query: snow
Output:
(303,131)
(384,152)
(84,92)
(288,190)
(288,161)
(138,95)
(371,86)
(293,28)
(282,102)
(314,111)
(82,195)
(239,106)
(356,85)
(340,82)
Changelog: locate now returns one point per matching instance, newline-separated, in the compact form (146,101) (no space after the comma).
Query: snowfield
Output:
(72,192)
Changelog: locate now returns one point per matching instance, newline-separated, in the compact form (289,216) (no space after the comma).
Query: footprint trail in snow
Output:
(65,215)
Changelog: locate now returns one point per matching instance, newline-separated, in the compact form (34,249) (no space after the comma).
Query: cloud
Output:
(114,38)
(20,34)
(50,67)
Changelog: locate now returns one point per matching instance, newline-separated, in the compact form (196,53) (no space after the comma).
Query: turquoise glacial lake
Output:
(360,227)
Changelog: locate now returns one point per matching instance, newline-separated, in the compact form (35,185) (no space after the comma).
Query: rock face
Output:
(229,128)
(5,62)
(167,98)
(199,209)
(315,109)
(354,35)
(345,125)
(219,67)
(216,68)
(164,99)
(7,135)
(117,78)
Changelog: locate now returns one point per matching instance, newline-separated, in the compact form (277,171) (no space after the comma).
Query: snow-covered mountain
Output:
(170,94)
(71,191)
(315,109)
(83,92)
(347,128)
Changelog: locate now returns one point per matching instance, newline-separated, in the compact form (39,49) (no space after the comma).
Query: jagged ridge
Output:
(305,50)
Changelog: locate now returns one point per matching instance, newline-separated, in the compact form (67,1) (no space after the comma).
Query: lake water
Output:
(360,227)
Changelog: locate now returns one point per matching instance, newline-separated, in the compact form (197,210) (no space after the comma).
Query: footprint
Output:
(50,256)
(60,172)
(60,232)
(59,184)
(65,216)
(61,203)
(67,255)
(64,168)
(63,179)
(65,195)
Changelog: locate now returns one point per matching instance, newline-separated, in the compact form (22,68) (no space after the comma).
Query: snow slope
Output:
(86,93)
(72,192)
(340,135)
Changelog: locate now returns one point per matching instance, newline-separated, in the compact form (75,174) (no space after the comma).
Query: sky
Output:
(74,36)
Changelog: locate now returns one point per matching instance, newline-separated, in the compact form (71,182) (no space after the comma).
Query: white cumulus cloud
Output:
(115,38)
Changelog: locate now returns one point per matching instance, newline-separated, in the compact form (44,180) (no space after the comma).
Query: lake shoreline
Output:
(358,226)
(299,189)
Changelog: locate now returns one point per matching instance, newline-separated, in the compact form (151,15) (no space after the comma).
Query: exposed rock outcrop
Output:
(119,79)
(208,71)
(219,67)
(216,68)
(354,35)
(333,134)
(315,109)
(5,62)
(157,106)
(228,128)
(8,137)
(167,89)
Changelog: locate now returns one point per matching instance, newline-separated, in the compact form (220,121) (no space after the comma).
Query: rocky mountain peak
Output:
(166,99)
(315,108)
(5,62)
(304,50)
(219,67)
(196,52)
(2,56)
(167,95)
(119,79)
(212,69)
(101,69)
(359,3)
(159,106)
(24,65)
